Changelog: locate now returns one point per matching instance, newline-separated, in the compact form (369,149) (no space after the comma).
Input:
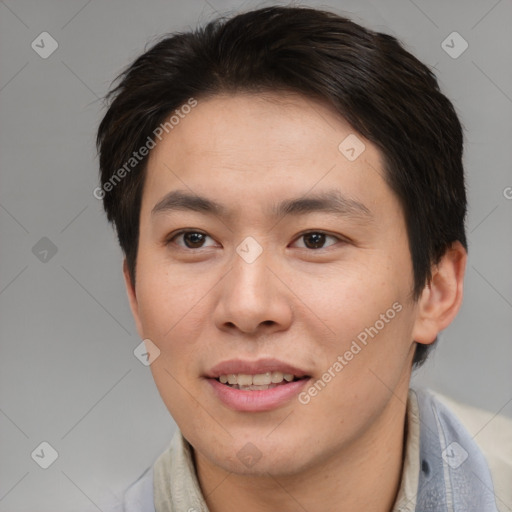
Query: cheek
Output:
(172,316)
(165,295)
(171,311)
(361,369)
(351,297)
(370,320)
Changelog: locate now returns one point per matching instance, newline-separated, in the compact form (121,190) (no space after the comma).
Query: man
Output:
(288,191)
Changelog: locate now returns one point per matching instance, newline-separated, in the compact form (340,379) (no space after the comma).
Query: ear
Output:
(132,297)
(441,298)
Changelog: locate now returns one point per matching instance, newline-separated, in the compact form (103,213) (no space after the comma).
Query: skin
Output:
(203,305)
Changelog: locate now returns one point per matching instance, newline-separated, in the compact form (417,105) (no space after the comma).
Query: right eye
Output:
(189,239)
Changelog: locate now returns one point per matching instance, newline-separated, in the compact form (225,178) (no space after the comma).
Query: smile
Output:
(256,386)
(258,382)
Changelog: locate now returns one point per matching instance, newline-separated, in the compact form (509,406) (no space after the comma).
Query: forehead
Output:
(264,147)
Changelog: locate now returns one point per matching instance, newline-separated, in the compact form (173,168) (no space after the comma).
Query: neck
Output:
(363,476)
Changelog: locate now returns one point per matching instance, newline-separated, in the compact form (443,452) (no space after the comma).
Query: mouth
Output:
(256,386)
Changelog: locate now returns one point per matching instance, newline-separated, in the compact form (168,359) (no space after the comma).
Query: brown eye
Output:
(316,240)
(193,239)
(189,239)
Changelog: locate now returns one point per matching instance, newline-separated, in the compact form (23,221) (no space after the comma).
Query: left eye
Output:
(316,240)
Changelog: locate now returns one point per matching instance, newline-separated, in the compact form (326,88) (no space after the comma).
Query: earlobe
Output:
(441,298)
(132,298)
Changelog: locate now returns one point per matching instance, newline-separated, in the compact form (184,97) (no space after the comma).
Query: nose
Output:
(252,299)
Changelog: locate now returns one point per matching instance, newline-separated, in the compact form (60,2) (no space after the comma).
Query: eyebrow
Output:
(329,201)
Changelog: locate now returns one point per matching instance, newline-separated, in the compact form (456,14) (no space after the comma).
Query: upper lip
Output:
(236,366)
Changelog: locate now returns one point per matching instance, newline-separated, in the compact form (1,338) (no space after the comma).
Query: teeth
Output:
(261,379)
(277,377)
(243,379)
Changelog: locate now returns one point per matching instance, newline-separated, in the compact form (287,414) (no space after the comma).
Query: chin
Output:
(259,458)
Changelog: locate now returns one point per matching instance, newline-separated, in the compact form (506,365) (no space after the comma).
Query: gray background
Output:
(68,373)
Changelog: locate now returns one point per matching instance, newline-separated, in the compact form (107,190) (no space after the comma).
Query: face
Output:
(267,253)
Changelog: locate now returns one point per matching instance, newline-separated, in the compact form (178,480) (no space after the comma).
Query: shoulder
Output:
(493,435)
(137,497)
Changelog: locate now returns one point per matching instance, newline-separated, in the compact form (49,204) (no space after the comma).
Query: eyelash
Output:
(173,236)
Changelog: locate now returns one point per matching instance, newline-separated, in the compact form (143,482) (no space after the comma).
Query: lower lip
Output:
(259,400)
